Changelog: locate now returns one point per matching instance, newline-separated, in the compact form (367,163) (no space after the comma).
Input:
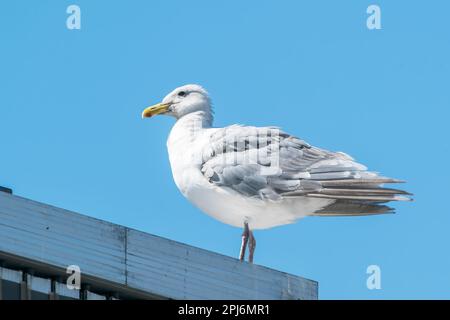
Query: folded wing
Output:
(269,164)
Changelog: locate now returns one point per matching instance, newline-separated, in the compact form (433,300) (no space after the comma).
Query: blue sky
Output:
(72,135)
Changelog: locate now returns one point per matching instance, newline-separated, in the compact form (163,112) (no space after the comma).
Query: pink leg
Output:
(245,235)
(251,246)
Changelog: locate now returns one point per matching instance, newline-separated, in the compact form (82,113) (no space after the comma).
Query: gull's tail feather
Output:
(353,208)
(360,189)
(358,182)
(355,197)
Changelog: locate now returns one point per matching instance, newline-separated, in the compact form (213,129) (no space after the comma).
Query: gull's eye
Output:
(182,94)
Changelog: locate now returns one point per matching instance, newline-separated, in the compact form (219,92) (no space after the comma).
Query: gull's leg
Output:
(251,246)
(245,235)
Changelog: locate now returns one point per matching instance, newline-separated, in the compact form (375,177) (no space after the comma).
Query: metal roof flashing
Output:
(129,263)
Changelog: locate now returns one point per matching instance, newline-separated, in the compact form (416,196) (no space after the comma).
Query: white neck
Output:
(187,129)
(184,152)
(202,119)
(194,122)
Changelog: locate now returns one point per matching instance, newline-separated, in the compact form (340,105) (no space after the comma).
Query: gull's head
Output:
(182,101)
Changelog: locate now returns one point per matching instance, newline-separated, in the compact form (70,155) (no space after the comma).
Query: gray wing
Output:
(267,163)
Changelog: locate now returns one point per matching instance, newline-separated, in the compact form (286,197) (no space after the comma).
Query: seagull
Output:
(262,177)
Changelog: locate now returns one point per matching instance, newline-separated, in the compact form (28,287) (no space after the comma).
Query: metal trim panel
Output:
(180,271)
(133,260)
(61,238)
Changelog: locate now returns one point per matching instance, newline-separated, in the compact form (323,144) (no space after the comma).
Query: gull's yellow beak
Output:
(156,109)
